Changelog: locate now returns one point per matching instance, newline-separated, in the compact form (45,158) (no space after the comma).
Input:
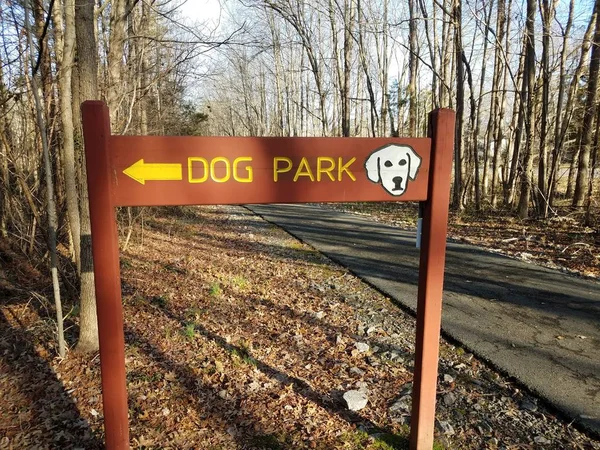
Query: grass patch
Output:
(189,331)
(137,375)
(355,441)
(360,440)
(239,282)
(214,290)
(297,245)
(388,441)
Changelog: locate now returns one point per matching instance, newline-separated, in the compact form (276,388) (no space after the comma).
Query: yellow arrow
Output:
(142,172)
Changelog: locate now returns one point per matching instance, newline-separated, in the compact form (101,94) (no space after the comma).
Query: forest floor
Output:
(238,336)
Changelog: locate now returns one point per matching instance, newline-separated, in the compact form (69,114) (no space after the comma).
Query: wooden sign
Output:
(161,170)
(149,170)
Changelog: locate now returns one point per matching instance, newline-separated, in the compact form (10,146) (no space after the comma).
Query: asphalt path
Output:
(538,325)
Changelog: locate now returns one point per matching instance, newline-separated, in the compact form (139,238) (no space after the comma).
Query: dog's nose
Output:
(397,183)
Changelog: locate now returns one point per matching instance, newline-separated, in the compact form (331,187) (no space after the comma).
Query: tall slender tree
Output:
(528,86)
(87,64)
(457,199)
(583,172)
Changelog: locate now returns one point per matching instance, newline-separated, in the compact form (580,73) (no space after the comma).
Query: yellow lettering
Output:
(277,170)
(204,177)
(345,168)
(326,170)
(213,171)
(304,171)
(248,168)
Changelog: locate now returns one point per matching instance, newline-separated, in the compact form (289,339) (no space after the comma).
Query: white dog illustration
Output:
(392,166)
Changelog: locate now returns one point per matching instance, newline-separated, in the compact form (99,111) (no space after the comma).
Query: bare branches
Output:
(42,38)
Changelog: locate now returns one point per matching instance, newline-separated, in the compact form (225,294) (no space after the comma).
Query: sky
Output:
(201,10)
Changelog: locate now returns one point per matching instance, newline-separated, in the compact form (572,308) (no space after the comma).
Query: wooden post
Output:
(105,248)
(431,279)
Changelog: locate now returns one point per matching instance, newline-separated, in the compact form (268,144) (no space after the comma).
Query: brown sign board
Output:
(162,170)
(150,170)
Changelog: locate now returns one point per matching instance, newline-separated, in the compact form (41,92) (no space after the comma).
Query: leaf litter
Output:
(238,336)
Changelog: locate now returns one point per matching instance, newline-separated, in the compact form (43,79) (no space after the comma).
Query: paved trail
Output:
(538,325)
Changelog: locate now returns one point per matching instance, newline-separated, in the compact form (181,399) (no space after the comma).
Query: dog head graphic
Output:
(392,166)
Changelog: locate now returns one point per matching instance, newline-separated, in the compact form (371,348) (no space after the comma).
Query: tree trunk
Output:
(362,52)
(477,127)
(51,206)
(383,70)
(501,138)
(588,201)
(495,109)
(44,64)
(88,90)
(338,69)
(64,50)
(528,84)
(348,41)
(413,64)
(5,149)
(115,59)
(282,115)
(583,169)
(572,97)
(518,120)
(432,44)
(557,149)
(547,11)
(460,106)
(446,50)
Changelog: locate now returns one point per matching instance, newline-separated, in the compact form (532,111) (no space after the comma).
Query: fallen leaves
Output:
(238,336)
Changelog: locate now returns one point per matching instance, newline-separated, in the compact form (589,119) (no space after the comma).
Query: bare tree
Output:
(64,48)
(457,200)
(583,172)
(558,119)
(413,64)
(295,16)
(528,86)
(115,59)
(547,11)
(50,205)
(362,54)
(87,63)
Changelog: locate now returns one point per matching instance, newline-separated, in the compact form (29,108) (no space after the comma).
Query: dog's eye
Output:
(402,162)
(388,164)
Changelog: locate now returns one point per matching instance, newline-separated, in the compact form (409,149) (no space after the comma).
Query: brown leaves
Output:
(262,362)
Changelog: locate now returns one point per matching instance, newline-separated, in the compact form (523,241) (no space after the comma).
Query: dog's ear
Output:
(372,167)
(415,163)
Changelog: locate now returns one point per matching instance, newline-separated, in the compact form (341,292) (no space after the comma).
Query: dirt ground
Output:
(239,336)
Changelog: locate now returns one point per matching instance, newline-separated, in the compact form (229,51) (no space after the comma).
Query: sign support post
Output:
(431,280)
(163,170)
(105,248)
